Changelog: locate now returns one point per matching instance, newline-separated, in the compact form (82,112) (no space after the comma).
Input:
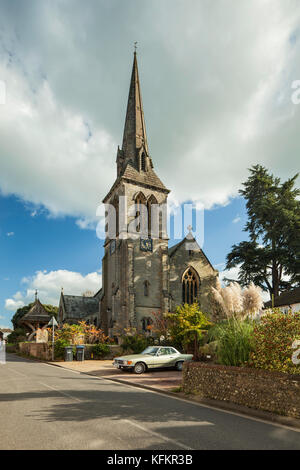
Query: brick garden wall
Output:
(255,388)
(38,350)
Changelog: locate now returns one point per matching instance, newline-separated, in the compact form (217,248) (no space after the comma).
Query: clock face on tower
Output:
(146,244)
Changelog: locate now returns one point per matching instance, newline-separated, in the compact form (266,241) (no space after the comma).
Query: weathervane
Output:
(135,46)
(36,294)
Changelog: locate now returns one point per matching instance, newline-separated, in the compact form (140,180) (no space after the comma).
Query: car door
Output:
(174,356)
(165,357)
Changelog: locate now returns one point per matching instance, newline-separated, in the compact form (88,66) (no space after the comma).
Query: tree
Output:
(188,324)
(271,257)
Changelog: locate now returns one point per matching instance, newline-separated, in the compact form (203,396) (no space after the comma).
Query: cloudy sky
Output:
(216,79)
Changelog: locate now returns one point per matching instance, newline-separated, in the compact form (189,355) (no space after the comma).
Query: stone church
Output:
(140,273)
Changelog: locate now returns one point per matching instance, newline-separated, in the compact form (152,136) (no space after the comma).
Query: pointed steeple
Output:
(134,137)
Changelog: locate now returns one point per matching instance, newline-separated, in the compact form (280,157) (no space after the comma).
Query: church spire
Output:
(135,137)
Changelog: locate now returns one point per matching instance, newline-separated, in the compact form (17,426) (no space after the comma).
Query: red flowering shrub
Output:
(273,337)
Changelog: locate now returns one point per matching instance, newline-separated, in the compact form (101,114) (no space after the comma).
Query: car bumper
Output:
(118,365)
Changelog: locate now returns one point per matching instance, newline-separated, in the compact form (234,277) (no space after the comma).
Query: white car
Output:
(152,357)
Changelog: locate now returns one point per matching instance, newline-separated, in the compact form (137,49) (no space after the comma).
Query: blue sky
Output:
(217,84)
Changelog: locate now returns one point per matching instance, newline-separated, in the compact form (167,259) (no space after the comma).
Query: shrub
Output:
(59,348)
(100,350)
(187,327)
(17,336)
(272,342)
(135,343)
(73,334)
(234,341)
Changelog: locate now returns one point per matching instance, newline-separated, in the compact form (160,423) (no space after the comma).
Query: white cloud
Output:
(12,304)
(228,273)
(236,219)
(49,284)
(218,101)
(10,234)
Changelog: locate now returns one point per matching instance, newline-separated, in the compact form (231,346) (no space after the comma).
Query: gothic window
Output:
(140,200)
(190,286)
(146,322)
(143,161)
(115,204)
(146,288)
(151,201)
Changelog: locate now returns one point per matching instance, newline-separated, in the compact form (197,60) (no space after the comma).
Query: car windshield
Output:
(152,350)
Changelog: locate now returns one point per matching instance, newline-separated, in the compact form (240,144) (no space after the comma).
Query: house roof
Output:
(285,299)
(37,313)
(78,306)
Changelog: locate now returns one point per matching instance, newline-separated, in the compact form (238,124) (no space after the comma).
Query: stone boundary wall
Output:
(255,388)
(43,351)
(38,350)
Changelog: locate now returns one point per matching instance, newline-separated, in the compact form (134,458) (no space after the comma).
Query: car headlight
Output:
(128,363)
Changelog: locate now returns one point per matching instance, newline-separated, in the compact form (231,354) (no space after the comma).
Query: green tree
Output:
(187,325)
(271,257)
(51,309)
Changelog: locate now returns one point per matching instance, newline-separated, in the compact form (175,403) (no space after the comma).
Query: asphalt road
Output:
(47,407)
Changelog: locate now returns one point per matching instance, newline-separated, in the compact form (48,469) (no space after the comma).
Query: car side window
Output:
(163,352)
(173,351)
(168,351)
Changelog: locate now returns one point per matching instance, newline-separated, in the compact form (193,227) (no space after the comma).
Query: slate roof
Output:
(142,178)
(148,177)
(285,299)
(37,313)
(77,306)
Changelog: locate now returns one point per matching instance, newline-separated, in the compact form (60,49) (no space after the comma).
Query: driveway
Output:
(167,379)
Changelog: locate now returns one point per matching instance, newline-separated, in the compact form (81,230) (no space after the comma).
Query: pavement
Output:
(166,380)
(48,407)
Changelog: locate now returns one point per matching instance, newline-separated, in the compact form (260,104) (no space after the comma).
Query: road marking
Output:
(157,434)
(201,405)
(17,372)
(59,391)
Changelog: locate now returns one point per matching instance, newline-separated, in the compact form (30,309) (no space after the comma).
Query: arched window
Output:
(143,161)
(115,204)
(151,201)
(146,288)
(146,322)
(140,200)
(190,286)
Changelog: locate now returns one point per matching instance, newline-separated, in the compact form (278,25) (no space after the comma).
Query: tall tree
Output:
(271,257)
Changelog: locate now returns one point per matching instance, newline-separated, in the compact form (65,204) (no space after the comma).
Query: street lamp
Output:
(53,323)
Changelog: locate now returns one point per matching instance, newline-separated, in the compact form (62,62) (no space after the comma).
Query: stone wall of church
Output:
(179,262)
(149,267)
(127,268)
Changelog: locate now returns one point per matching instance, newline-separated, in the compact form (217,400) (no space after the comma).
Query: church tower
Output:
(135,264)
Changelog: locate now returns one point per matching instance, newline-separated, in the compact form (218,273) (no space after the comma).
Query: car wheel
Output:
(179,365)
(139,368)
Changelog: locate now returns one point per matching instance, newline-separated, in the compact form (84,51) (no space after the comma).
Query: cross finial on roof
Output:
(135,46)
(190,228)
(36,294)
